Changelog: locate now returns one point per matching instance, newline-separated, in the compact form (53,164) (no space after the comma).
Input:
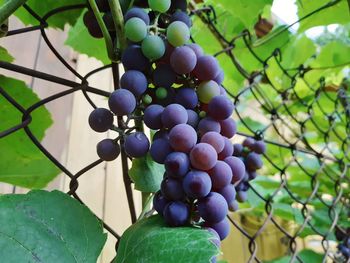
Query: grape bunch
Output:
(177,90)
(249,152)
(343,236)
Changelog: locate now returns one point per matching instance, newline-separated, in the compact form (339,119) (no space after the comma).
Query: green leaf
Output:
(336,14)
(150,241)
(81,41)
(21,162)
(5,55)
(332,54)
(58,20)
(146,174)
(48,227)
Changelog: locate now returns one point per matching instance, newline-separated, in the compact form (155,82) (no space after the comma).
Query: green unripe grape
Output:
(153,47)
(159,5)
(161,93)
(202,114)
(207,90)
(178,33)
(147,99)
(135,29)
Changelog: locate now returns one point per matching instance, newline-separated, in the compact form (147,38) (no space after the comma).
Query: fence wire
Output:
(284,130)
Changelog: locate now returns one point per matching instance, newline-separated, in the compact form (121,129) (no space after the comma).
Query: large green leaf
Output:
(335,14)
(48,227)
(81,41)
(21,162)
(43,7)
(146,174)
(150,241)
(306,255)
(5,55)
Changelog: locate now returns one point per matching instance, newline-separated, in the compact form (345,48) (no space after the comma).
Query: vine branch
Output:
(8,8)
(118,20)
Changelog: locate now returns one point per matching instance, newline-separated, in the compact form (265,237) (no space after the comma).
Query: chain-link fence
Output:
(289,119)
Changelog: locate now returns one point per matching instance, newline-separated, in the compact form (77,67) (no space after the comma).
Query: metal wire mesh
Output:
(285,131)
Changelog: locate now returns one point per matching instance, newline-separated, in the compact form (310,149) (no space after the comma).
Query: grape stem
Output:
(118,20)
(106,35)
(8,8)
(147,198)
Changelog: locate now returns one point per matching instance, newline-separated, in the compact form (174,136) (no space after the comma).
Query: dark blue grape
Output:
(176,214)
(182,138)
(136,144)
(222,228)
(248,142)
(234,206)
(187,97)
(108,150)
(197,184)
(215,140)
(196,48)
(160,149)
(161,134)
(159,202)
(229,193)
(153,116)
(228,127)
(227,151)
(137,12)
(207,68)
(101,120)
(133,58)
(122,102)
(253,162)
(193,118)
(220,77)
(237,167)
(242,196)
(213,208)
(181,16)
(134,81)
(220,107)
(220,174)
(172,189)
(216,239)
(237,149)
(259,147)
(177,164)
(203,156)
(164,76)
(183,60)
(208,124)
(174,114)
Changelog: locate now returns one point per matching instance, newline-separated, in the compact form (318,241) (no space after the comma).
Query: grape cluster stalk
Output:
(178,90)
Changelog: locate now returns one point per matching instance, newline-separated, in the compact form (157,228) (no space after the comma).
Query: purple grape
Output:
(222,228)
(181,16)
(174,114)
(193,118)
(160,149)
(253,162)
(207,125)
(213,208)
(220,107)
(237,167)
(177,164)
(221,175)
(137,12)
(122,102)
(252,175)
(133,58)
(242,196)
(182,138)
(159,202)
(172,189)
(134,81)
(153,116)
(237,149)
(164,76)
(183,60)
(229,193)
(207,68)
(220,77)
(233,207)
(222,90)
(136,144)
(176,214)
(248,142)
(197,49)
(259,147)
(203,156)
(101,120)
(108,150)
(227,151)
(162,134)
(228,127)
(187,97)
(215,140)
(196,184)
